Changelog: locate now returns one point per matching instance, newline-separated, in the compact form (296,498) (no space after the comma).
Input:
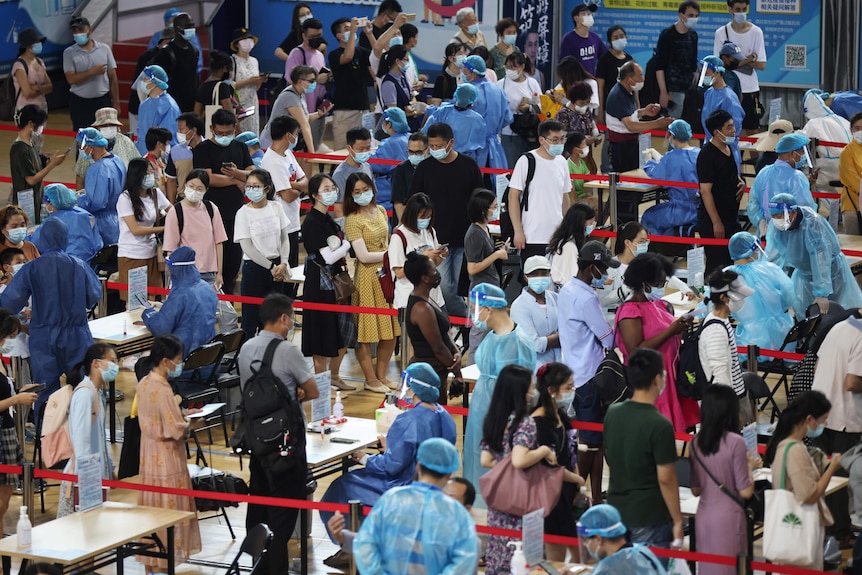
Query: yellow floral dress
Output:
(368,293)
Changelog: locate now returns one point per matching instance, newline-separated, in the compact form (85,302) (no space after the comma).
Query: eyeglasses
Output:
(228,133)
(415,152)
(556,140)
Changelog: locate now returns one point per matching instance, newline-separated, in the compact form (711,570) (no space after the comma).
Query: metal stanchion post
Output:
(29,493)
(613,180)
(353,521)
(405,342)
(103,303)
(752,358)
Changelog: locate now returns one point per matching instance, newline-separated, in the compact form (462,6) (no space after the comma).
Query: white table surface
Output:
(321,451)
(470,373)
(119,327)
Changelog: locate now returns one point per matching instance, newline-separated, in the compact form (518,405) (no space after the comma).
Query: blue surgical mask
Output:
(328,198)
(423,223)
(254,194)
(655,293)
(149,181)
(223,141)
(619,44)
(590,229)
(460,59)
(396,41)
(539,285)
(81,39)
(7,347)
(740,17)
(189,34)
(815,432)
(415,160)
(37,48)
(510,39)
(439,154)
(16,268)
(464,79)
(555,149)
(599,283)
(361,157)
(691,23)
(345,37)
(176,371)
(364,198)
(87,157)
(311,88)
(593,554)
(110,374)
(708,81)
(729,140)
(293,144)
(565,401)
(480,324)
(472,28)
(16,235)
(803,161)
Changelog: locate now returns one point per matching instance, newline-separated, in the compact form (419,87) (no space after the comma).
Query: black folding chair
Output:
(255,545)
(200,390)
(104,263)
(227,381)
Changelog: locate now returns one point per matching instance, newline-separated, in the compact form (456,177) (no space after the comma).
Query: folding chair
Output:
(104,263)
(200,390)
(228,378)
(255,544)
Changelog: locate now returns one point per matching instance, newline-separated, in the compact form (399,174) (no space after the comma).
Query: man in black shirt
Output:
(402,175)
(386,14)
(720,189)
(676,58)
(351,70)
(180,60)
(449,179)
(228,163)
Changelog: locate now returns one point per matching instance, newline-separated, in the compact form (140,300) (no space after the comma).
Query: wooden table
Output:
(337,157)
(851,242)
(648,192)
(105,535)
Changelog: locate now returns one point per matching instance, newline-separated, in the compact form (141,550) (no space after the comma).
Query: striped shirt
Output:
(718,356)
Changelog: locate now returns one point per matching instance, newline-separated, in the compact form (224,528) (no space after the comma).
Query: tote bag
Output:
(791,530)
(520,491)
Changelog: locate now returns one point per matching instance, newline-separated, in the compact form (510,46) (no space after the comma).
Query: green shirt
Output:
(637,439)
(578,168)
(24,161)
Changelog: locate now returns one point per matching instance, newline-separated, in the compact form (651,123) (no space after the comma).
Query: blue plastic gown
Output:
(727,100)
(436,536)
(494,353)
(629,560)
(156,112)
(396,466)
(845,104)
(257,158)
(63,289)
(154,41)
(84,238)
(468,128)
(820,269)
(104,183)
(779,178)
(680,165)
(392,148)
(493,106)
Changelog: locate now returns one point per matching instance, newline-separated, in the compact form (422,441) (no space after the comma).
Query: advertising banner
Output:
(49,17)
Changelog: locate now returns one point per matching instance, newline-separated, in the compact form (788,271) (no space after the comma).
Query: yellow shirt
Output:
(850,172)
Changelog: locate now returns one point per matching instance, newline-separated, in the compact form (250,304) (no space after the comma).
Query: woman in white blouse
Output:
(578,223)
(416,229)
(522,93)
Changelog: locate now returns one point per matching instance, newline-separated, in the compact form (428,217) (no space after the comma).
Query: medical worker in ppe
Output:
(800,238)
(468,127)
(63,290)
(437,535)
(602,534)
(505,344)
(493,105)
(678,164)
(397,464)
(720,96)
(159,109)
(764,319)
(252,142)
(84,238)
(826,126)
(392,148)
(845,104)
(103,183)
(783,176)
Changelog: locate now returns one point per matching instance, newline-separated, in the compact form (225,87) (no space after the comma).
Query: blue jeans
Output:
(450,271)
(653,536)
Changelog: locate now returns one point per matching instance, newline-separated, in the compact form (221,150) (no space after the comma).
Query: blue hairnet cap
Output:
(791,142)
(603,520)
(157,76)
(60,196)
(170,13)
(780,202)
(91,137)
(742,245)
(398,119)
(680,129)
(438,455)
(248,138)
(488,295)
(714,63)
(423,381)
(475,64)
(465,95)
(182,254)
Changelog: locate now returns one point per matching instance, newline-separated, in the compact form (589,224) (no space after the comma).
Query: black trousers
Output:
(292,261)
(83,110)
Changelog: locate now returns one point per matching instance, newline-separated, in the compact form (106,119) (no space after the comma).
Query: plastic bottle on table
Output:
(25,529)
(338,407)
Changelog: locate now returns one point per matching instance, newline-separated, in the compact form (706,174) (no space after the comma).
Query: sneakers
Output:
(323,149)
(338,561)
(342,385)
(376,386)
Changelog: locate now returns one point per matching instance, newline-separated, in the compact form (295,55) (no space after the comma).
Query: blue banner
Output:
(49,17)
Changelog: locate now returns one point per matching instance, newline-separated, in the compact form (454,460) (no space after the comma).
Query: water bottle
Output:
(518,566)
(338,407)
(25,529)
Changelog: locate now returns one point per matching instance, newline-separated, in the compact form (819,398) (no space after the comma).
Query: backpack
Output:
(387,278)
(506,228)
(181,219)
(610,381)
(691,381)
(272,425)
(56,438)
(9,95)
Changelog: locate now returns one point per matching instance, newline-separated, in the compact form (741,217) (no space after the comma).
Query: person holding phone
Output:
(247,78)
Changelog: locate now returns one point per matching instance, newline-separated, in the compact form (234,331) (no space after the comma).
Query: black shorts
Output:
(753,111)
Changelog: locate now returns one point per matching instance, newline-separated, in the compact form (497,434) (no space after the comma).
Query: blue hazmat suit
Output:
(845,104)
(468,128)
(84,238)
(104,183)
(628,560)
(679,164)
(727,100)
(161,111)
(392,148)
(396,466)
(63,289)
(494,353)
(778,178)
(437,535)
(820,269)
(493,106)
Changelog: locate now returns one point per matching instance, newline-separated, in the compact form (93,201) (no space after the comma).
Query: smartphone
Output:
(227,164)
(325,103)
(362,22)
(441,246)
(343,440)
(411,17)
(38,388)
(325,70)
(144,302)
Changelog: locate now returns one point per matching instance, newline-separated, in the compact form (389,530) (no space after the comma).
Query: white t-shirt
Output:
(515,91)
(564,266)
(398,255)
(284,170)
(264,226)
(750,42)
(550,183)
(130,245)
(840,354)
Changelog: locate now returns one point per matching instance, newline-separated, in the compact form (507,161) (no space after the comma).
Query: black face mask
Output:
(437,279)
(733,65)
(316,42)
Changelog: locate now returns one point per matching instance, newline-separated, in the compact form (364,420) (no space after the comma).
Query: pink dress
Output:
(682,411)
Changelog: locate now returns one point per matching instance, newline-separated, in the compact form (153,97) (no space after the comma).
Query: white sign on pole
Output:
(533,536)
(137,288)
(321,408)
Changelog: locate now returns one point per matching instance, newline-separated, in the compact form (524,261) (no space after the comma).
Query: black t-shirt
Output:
(713,167)
(205,93)
(290,42)
(349,79)
(402,179)
(607,69)
(444,86)
(676,55)
(229,199)
(377,31)
(6,420)
(181,64)
(449,186)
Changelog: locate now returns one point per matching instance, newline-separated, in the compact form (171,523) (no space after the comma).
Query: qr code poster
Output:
(795,56)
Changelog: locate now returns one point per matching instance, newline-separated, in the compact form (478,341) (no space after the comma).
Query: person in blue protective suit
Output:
(251,140)
(493,106)
(798,237)
(602,534)
(84,238)
(437,535)
(392,148)
(159,110)
(170,13)
(678,164)
(505,344)
(781,177)
(720,96)
(845,104)
(103,183)
(764,319)
(63,289)
(397,464)
(468,127)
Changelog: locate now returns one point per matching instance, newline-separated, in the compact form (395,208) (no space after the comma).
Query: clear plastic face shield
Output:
(784,223)
(706,80)
(408,381)
(478,303)
(141,85)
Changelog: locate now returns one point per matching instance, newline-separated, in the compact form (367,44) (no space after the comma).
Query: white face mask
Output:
(246,44)
(588,21)
(38,131)
(638,86)
(512,74)
(193,195)
(857,137)
(581,109)
(110,132)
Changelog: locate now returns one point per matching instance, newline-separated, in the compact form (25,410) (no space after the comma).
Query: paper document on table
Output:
(206,410)
(749,434)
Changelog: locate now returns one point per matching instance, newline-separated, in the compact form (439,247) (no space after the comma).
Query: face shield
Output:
(477,302)
(141,85)
(704,80)
(784,223)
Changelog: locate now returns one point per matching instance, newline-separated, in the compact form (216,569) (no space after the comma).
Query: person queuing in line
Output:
(676,58)
(392,148)
(301,13)
(351,69)
(119,144)
(535,310)
(91,72)
(217,89)
(577,116)
(158,145)
(731,56)
(468,127)
(469,33)
(850,170)
(577,225)
(766,144)
(30,77)
(581,42)
(387,14)
(358,154)
(84,238)
(158,36)
(308,54)
(247,78)
(415,234)
(25,166)
(14,222)
(493,105)
(507,37)
(402,175)
(181,59)
(522,95)
(603,525)
(607,69)
(190,130)
(159,109)
(449,77)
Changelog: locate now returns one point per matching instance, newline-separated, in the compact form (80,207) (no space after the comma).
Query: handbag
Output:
(791,530)
(526,125)
(217,482)
(385,275)
(341,282)
(226,316)
(130,454)
(517,492)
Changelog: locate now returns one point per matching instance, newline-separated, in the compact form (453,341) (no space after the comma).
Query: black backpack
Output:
(272,428)
(610,381)
(181,218)
(691,381)
(506,228)
(9,95)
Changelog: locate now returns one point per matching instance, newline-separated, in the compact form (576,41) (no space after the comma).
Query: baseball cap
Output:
(731,49)
(79,22)
(534,263)
(594,251)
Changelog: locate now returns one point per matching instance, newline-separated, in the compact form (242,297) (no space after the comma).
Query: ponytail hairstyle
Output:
(807,403)
(395,53)
(551,375)
(719,280)
(84,367)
